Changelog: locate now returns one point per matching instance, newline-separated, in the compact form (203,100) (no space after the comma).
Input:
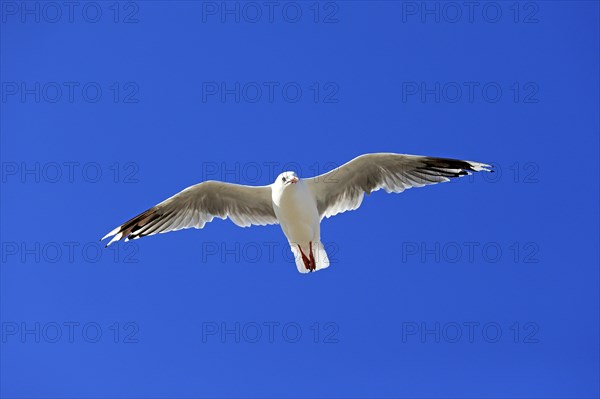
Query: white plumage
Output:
(298,205)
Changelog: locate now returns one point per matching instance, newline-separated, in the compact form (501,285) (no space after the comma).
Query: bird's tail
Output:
(310,257)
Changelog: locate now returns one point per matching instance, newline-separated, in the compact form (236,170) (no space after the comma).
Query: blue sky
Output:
(485,287)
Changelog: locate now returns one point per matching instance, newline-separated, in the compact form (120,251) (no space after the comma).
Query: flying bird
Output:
(297,204)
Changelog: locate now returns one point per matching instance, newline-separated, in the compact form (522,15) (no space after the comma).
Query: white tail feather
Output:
(319,255)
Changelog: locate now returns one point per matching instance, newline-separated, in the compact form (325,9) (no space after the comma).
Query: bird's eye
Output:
(283,179)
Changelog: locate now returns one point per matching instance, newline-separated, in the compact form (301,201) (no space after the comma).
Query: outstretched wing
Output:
(199,204)
(343,188)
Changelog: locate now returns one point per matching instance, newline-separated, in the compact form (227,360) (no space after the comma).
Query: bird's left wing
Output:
(343,188)
(199,204)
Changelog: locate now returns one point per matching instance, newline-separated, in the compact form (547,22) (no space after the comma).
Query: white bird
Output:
(298,205)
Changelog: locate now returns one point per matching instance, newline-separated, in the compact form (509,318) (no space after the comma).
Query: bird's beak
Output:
(293,180)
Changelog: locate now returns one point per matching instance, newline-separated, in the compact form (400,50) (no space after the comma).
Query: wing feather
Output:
(200,204)
(343,188)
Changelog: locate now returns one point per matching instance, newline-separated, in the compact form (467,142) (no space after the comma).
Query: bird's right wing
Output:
(343,188)
(199,204)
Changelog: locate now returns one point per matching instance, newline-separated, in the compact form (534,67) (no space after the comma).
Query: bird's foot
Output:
(309,263)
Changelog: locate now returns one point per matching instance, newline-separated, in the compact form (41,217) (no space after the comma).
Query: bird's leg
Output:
(312,259)
(305,259)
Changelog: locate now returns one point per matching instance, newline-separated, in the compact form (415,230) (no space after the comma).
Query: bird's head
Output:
(286,180)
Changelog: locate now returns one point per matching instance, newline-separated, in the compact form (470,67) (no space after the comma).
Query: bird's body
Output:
(296,210)
(298,205)
(297,213)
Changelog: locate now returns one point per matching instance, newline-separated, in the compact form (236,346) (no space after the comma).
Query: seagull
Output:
(297,204)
